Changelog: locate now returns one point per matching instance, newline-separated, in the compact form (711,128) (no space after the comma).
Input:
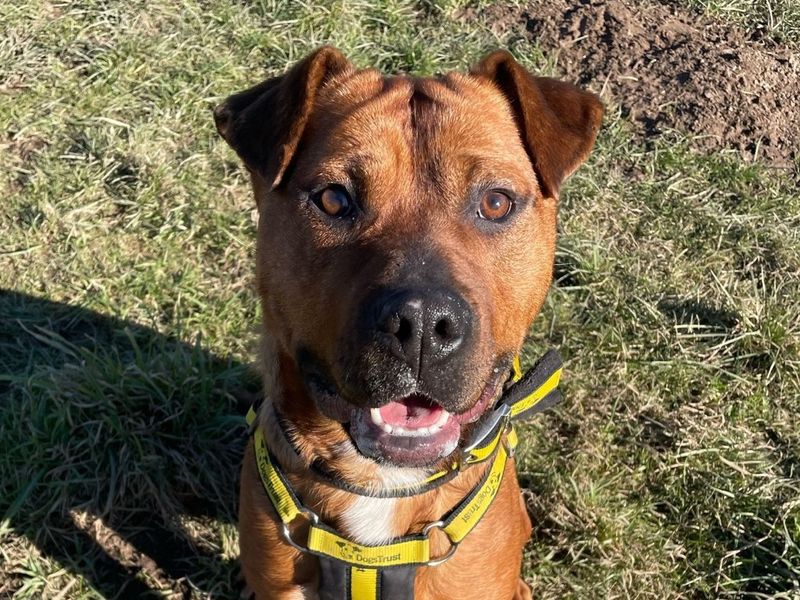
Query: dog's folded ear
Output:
(558,122)
(264,124)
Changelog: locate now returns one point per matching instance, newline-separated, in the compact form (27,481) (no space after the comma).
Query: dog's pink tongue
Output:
(411,412)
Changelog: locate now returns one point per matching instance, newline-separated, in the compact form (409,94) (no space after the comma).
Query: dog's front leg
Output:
(523,591)
(299,593)
(272,570)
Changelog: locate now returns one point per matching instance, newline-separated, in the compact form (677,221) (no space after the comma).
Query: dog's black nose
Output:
(423,327)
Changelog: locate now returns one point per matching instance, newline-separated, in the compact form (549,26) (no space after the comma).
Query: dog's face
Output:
(406,236)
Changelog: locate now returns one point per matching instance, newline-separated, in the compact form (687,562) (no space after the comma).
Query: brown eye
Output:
(495,206)
(334,201)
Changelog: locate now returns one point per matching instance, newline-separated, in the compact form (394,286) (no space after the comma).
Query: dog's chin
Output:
(409,431)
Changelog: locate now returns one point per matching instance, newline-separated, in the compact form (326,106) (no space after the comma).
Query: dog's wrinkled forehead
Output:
(414,135)
(556,122)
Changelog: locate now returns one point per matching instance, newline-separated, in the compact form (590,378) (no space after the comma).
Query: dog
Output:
(406,240)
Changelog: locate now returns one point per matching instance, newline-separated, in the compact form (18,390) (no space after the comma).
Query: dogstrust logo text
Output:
(355,553)
(490,489)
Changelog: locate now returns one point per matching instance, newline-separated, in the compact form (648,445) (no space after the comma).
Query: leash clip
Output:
(313,519)
(453,545)
(485,429)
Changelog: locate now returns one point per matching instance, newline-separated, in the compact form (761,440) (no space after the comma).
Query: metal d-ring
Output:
(313,519)
(453,545)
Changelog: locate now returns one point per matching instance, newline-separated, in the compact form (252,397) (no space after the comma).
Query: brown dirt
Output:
(669,68)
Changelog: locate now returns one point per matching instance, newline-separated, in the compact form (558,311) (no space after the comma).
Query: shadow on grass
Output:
(694,312)
(119,450)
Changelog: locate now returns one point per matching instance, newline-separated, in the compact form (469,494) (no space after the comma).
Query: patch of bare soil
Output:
(672,69)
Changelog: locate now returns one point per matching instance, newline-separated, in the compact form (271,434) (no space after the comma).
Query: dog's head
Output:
(406,235)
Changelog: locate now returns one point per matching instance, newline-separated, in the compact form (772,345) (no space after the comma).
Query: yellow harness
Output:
(356,571)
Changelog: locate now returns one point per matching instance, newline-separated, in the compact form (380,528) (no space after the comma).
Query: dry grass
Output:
(779,19)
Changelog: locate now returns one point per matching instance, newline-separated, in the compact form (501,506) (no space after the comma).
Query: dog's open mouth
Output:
(413,416)
(413,430)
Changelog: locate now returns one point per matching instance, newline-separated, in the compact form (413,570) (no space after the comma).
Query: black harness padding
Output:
(334,579)
(394,583)
(535,378)
(397,583)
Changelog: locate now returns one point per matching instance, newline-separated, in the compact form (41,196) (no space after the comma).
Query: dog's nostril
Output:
(444,329)
(404,330)
(389,324)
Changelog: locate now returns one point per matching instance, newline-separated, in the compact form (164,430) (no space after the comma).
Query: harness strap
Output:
(526,396)
(339,581)
(407,550)
(530,390)
(364,584)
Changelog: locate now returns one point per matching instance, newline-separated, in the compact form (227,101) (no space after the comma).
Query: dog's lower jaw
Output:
(413,451)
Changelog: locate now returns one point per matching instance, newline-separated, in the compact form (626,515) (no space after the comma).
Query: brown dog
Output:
(405,243)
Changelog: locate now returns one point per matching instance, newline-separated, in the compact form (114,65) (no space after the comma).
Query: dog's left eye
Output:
(334,201)
(495,206)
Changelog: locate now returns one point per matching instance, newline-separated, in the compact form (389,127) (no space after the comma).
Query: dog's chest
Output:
(370,520)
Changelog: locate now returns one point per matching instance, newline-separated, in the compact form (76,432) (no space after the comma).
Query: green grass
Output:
(129,318)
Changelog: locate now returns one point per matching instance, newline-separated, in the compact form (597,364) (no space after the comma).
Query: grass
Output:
(128,318)
(779,19)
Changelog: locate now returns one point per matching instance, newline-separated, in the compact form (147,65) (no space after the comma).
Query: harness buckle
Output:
(286,533)
(453,545)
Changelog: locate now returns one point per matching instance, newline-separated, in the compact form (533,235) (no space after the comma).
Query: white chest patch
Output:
(369,520)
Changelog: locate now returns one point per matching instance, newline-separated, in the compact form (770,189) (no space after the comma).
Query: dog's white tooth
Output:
(434,429)
(400,430)
(442,419)
(375,414)
(423,431)
(386,427)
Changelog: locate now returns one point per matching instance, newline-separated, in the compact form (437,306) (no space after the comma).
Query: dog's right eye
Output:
(495,206)
(334,201)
